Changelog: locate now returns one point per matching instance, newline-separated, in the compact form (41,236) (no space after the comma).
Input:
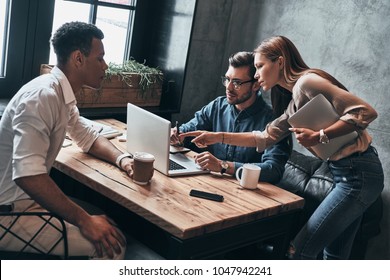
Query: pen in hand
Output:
(179,143)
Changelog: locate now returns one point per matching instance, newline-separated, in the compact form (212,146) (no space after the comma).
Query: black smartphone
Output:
(206,195)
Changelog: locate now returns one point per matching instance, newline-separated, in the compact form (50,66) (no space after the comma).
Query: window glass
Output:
(113,22)
(3,35)
(66,11)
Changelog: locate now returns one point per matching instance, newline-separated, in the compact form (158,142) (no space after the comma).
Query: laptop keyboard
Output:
(175,166)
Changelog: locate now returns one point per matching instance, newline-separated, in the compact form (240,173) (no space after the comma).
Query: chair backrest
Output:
(29,250)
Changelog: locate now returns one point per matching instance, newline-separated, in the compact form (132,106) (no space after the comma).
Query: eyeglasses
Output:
(236,83)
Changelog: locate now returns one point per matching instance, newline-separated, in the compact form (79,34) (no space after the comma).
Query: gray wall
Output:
(350,39)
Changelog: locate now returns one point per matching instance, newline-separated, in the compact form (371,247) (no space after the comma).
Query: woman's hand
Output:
(203,138)
(306,137)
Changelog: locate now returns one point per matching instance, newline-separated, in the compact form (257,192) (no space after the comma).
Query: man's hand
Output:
(103,234)
(100,230)
(207,161)
(127,165)
(175,140)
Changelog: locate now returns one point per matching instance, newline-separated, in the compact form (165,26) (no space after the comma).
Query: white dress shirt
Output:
(33,128)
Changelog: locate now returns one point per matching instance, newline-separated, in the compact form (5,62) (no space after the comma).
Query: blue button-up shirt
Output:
(220,116)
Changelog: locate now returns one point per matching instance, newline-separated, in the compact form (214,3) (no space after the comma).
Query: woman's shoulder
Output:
(311,81)
(312,77)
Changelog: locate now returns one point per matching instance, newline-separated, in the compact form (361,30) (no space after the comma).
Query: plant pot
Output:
(117,93)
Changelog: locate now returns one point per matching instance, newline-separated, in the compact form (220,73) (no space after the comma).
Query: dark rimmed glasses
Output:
(236,83)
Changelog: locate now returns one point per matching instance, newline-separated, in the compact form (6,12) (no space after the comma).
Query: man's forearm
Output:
(103,149)
(45,192)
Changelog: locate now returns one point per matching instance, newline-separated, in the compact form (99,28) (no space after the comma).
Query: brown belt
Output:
(6,208)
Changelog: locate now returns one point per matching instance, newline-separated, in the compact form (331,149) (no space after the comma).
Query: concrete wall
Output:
(350,39)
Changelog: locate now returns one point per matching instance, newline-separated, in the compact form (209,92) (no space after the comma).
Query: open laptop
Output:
(147,132)
(318,114)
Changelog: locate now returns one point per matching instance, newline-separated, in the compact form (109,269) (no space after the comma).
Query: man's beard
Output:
(242,99)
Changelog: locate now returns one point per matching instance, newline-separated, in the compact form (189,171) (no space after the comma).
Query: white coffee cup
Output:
(249,176)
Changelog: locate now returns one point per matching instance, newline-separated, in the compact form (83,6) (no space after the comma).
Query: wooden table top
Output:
(166,203)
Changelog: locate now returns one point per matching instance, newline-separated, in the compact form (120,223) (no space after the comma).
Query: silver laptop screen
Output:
(147,132)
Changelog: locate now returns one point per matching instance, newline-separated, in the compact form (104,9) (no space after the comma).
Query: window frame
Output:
(6,37)
(154,30)
(27,43)
(93,16)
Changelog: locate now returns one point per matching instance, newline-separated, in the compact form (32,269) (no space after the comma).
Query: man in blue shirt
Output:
(241,110)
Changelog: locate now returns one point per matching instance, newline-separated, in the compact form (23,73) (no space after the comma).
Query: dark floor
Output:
(138,251)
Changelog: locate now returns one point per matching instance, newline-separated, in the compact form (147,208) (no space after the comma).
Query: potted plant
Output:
(130,82)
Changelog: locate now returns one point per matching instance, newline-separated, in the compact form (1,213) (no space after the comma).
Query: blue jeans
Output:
(358,181)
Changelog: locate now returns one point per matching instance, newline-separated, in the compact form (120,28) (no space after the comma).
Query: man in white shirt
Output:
(32,131)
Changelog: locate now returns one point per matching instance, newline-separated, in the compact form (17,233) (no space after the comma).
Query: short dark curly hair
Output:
(73,36)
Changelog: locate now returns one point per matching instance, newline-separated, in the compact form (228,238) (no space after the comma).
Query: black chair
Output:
(34,252)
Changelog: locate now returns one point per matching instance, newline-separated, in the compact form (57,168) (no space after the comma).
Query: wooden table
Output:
(194,227)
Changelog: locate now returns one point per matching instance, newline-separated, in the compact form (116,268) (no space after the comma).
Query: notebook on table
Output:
(104,130)
(147,132)
(318,114)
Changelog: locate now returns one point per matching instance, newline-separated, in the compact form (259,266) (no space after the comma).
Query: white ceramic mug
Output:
(249,176)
